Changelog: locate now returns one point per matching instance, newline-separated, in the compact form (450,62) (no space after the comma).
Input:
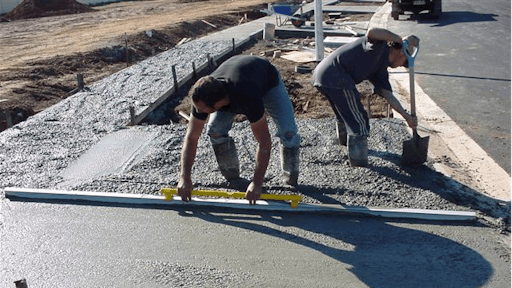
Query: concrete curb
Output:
(156,201)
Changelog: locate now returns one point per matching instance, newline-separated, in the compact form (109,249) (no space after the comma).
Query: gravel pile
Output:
(36,153)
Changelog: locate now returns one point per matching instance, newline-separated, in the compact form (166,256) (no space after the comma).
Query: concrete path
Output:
(65,245)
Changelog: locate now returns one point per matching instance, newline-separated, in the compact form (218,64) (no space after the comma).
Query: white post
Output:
(319,31)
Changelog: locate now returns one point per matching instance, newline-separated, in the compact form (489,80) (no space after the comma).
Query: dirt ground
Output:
(42,56)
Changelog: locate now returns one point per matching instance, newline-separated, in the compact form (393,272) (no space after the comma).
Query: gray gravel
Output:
(37,152)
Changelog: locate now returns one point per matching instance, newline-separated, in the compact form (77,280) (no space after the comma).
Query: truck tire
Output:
(436,9)
(395,10)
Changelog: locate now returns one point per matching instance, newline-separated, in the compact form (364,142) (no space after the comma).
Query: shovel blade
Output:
(415,151)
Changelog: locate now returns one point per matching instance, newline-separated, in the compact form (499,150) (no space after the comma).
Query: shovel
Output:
(415,150)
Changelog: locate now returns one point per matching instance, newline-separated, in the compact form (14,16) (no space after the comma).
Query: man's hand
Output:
(412,121)
(185,189)
(253,193)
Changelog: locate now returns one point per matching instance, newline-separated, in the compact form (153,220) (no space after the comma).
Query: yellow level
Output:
(295,199)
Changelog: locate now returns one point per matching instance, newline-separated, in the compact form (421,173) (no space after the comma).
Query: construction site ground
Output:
(41,57)
(63,146)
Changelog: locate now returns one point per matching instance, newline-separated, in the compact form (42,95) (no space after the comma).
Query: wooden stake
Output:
(194,73)
(8,118)
(209,60)
(132,116)
(21,283)
(126,48)
(369,111)
(80,80)
(175,78)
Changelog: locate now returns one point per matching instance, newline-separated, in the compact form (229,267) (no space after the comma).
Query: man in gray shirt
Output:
(364,59)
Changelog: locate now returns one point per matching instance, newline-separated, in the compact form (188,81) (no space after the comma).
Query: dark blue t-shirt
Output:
(352,63)
(247,79)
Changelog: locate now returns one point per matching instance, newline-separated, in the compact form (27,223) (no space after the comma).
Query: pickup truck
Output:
(398,7)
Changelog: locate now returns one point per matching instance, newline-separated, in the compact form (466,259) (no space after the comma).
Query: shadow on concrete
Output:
(380,254)
(452,17)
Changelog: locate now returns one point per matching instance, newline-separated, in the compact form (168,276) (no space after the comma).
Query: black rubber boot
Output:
(290,160)
(341,132)
(358,150)
(227,158)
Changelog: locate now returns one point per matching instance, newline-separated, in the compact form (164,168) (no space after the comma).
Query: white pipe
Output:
(319,31)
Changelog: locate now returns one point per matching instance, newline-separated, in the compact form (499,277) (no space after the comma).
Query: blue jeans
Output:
(277,104)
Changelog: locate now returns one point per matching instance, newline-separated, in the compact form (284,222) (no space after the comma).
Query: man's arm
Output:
(381,34)
(395,104)
(188,154)
(262,135)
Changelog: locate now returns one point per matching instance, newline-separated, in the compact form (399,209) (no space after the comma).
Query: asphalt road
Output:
(464,66)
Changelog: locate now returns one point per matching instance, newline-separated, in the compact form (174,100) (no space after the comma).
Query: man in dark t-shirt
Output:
(251,86)
(364,59)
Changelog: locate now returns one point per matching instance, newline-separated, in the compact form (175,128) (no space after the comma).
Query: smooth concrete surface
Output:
(64,245)
(113,154)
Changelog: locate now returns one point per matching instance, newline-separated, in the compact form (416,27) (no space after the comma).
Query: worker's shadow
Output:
(379,254)
(452,17)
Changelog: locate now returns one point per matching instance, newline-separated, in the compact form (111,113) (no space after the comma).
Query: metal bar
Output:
(15,193)
(295,199)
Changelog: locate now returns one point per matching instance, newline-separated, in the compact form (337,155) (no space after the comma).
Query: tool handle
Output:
(410,61)
(410,57)
(295,199)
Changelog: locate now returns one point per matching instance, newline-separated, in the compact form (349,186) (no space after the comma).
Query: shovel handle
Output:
(410,61)
(410,57)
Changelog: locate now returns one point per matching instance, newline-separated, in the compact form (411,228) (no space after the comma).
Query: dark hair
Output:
(207,90)
(396,45)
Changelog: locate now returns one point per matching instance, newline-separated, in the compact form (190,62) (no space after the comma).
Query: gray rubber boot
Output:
(358,150)
(341,132)
(227,158)
(290,160)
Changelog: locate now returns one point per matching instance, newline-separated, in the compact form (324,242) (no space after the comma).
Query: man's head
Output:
(396,54)
(208,94)
(397,57)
